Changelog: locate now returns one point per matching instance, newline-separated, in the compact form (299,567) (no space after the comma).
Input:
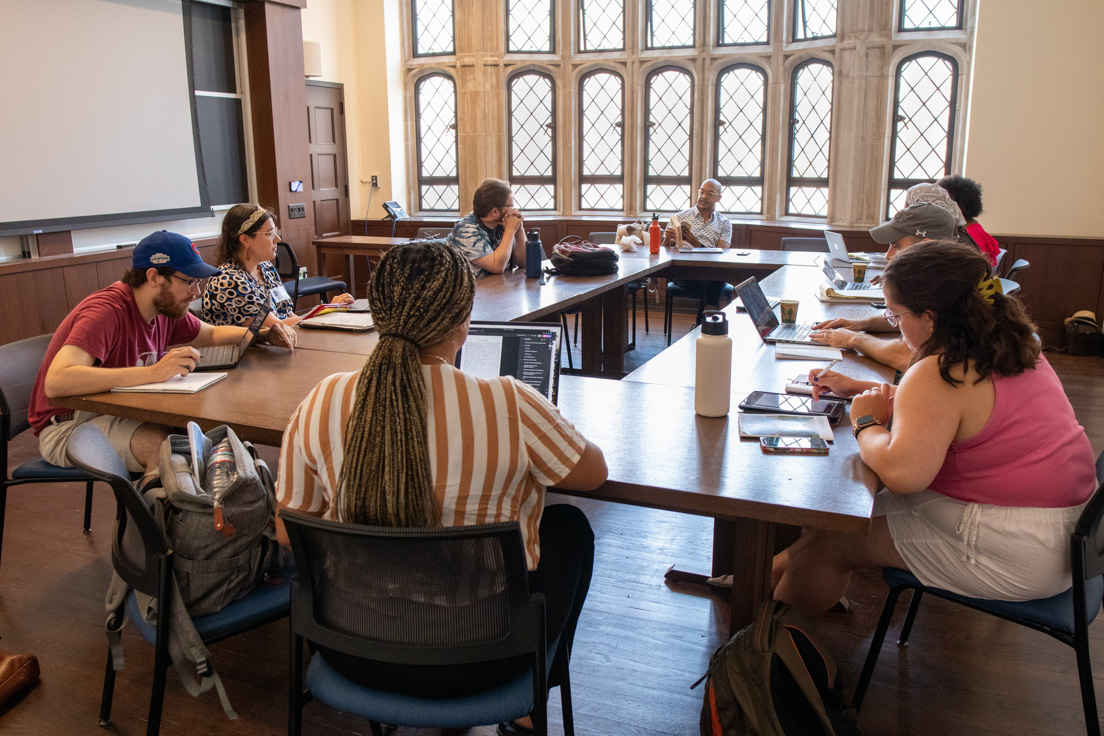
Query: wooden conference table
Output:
(691,464)
(602,300)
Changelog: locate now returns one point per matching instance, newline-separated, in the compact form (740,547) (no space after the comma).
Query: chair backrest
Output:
(1088,536)
(414,596)
(1001,252)
(810,245)
(603,238)
(19,363)
(196,307)
(137,543)
(287,265)
(1020,264)
(434,232)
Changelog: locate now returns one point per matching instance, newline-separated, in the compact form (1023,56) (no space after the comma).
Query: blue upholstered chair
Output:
(693,290)
(438,599)
(19,362)
(141,556)
(1066,616)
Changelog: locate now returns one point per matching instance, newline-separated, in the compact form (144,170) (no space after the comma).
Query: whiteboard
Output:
(98,125)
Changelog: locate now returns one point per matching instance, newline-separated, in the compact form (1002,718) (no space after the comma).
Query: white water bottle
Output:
(713,369)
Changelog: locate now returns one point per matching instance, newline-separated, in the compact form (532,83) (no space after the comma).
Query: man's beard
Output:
(167,305)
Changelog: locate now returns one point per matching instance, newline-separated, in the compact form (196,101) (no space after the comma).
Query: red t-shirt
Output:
(988,244)
(108,326)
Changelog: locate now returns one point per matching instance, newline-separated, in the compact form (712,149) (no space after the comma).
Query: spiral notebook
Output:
(188,384)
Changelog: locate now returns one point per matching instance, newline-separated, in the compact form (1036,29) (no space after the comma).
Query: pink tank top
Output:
(1031,452)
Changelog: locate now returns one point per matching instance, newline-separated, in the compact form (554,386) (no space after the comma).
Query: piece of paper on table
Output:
(188,384)
(787,351)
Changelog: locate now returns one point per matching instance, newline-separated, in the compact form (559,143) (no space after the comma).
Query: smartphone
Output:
(773,403)
(793,445)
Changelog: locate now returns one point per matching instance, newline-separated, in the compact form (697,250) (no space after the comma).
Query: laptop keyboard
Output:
(217,355)
(791,332)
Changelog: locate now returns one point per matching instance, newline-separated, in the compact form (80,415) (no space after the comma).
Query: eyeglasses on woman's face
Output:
(892,317)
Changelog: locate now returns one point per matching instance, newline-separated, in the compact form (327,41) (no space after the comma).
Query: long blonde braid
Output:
(419,294)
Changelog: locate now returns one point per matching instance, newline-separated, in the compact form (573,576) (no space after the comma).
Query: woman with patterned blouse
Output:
(246,249)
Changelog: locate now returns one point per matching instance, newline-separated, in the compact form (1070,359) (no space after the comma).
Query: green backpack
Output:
(774,678)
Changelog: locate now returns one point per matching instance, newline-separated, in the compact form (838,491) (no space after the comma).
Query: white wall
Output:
(355,41)
(1035,138)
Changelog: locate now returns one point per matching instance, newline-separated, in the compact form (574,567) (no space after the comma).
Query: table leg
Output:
(591,361)
(350,273)
(613,331)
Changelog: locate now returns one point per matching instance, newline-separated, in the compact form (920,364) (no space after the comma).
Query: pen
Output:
(826,369)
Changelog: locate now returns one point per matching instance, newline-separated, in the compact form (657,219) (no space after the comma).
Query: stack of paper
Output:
(354,321)
(828,293)
(794,351)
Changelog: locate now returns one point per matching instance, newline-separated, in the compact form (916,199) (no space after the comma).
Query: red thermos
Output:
(655,235)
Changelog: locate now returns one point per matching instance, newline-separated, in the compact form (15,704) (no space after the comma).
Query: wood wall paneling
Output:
(34,302)
(80,281)
(1064,277)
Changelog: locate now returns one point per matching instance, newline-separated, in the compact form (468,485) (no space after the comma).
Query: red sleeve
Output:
(95,329)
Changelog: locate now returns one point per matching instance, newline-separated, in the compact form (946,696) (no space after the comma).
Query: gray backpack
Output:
(223,544)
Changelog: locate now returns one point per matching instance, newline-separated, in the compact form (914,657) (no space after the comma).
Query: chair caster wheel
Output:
(105,723)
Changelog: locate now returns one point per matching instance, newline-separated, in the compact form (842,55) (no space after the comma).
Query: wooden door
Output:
(329,162)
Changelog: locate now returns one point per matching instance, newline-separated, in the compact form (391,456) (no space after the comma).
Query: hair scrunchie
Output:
(397,336)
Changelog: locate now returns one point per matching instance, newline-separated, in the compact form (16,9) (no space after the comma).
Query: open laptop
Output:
(766,322)
(528,351)
(837,249)
(218,357)
(842,284)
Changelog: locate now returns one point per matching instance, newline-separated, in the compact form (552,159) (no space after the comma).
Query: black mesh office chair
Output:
(19,363)
(287,265)
(1066,616)
(373,598)
(809,245)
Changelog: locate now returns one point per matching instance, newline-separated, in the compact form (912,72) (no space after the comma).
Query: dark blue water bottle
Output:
(534,254)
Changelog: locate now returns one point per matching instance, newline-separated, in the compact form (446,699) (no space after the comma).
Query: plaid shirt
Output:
(717,229)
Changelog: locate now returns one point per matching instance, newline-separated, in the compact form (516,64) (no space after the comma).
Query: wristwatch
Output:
(863,423)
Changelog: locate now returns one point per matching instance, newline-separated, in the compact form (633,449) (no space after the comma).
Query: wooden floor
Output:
(641,643)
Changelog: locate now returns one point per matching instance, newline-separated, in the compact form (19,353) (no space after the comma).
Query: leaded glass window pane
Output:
(744,21)
(532,141)
(670,98)
(670,23)
(923,121)
(930,15)
(433,27)
(601,149)
(740,120)
(814,19)
(603,25)
(810,138)
(438,175)
(530,23)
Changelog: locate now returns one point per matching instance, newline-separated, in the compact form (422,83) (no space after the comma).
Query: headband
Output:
(257,214)
(988,287)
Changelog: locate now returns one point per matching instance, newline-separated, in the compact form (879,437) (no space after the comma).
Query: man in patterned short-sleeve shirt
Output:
(492,236)
(704,227)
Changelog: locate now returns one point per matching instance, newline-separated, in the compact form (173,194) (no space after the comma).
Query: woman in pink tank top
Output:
(985,466)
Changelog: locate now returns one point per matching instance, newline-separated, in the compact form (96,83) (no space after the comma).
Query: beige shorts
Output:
(980,550)
(54,438)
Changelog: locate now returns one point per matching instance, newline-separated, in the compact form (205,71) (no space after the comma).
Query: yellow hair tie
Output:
(988,287)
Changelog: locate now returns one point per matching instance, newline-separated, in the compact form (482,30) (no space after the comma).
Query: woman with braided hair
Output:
(246,248)
(985,466)
(411,441)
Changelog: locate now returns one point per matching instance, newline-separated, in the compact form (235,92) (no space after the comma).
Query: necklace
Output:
(435,357)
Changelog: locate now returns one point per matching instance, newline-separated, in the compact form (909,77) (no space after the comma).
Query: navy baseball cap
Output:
(170,250)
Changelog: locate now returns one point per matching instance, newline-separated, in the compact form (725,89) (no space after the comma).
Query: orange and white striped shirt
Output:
(494,445)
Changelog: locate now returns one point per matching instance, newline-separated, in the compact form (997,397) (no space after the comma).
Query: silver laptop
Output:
(838,249)
(842,284)
(528,351)
(766,323)
(218,357)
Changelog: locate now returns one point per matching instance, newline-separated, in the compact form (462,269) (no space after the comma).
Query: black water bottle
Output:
(534,254)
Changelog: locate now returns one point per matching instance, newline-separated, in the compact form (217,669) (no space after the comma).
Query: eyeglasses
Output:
(275,234)
(191,283)
(891,317)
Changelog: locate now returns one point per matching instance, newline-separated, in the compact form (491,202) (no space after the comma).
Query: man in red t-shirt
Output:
(120,336)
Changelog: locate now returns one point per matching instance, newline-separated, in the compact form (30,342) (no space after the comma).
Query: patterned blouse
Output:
(234,295)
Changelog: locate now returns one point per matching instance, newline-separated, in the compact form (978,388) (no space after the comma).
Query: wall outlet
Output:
(375,181)
(302,272)
(297,211)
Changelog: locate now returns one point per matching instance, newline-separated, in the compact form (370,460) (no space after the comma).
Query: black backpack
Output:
(774,678)
(574,256)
